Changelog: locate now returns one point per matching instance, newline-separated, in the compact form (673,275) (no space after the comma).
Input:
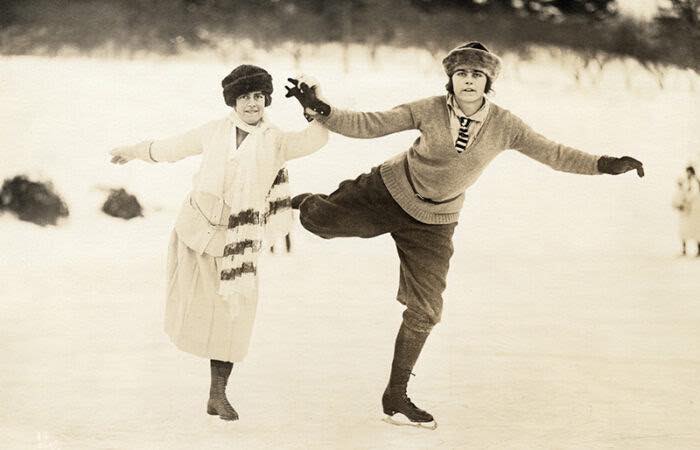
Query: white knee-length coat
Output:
(197,318)
(687,201)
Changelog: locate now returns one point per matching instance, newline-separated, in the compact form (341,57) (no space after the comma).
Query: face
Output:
(250,107)
(469,84)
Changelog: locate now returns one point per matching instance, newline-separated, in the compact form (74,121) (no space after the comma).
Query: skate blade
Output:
(404,422)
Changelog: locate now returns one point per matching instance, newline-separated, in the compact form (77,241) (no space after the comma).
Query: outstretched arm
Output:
(298,144)
(349,123)
(568,159)
(164,150)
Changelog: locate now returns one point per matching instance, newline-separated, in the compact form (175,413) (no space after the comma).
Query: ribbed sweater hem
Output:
(394,178)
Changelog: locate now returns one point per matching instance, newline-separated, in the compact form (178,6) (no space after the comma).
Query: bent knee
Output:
(420,321)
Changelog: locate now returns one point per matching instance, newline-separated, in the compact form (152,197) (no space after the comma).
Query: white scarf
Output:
(260,209)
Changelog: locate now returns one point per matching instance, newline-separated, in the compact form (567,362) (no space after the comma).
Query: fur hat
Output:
(246,78)
(475,56)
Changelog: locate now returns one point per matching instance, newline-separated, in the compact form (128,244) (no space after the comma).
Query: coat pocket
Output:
(196,232)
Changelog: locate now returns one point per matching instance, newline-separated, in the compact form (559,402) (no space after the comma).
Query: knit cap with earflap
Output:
(246,78)
(473,55)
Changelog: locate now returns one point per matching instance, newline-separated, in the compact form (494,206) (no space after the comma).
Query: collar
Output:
(478,116)
(239,123)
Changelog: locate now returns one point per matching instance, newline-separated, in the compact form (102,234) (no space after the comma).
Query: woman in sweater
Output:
(417,195)
(238,200)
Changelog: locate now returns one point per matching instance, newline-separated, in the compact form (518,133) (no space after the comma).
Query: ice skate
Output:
(401,411)
(222,408)
(218,403)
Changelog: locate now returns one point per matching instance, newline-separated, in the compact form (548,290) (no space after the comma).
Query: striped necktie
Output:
(462,134)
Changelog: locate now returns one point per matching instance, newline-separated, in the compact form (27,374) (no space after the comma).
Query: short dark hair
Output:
(690,169)
(451,89)
(268,98)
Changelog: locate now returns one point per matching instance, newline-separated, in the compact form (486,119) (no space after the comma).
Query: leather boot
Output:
(298,199)
(218,403)
(408,346)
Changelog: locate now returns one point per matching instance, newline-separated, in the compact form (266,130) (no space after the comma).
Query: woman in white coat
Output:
(687,201)
(238,196)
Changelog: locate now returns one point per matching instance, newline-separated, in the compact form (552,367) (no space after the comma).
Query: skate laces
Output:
(405,398)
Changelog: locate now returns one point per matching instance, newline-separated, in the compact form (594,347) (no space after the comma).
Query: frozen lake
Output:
(569,320)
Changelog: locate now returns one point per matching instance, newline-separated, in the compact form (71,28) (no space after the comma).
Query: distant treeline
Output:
(591,27)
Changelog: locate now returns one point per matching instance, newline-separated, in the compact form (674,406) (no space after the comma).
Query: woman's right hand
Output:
(312,83)
(122,155)
(308,92)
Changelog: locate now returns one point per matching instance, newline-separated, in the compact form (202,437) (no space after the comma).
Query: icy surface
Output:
(569,320)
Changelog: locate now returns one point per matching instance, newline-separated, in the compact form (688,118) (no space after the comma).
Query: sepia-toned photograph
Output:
(352,224)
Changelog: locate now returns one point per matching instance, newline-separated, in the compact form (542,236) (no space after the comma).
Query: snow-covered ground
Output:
(570,322)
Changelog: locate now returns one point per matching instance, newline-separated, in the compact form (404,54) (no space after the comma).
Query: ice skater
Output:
(687,201)
(417,195)
(239,198)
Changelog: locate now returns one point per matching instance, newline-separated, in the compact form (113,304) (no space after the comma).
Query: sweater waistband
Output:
(395,180)
(415,192)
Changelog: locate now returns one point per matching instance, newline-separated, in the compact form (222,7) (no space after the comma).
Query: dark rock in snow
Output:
(32,201)
(122,204)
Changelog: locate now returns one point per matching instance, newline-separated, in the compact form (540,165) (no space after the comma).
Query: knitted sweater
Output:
(437,170)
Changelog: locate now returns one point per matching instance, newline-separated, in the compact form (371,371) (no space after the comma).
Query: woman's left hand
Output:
(616,166)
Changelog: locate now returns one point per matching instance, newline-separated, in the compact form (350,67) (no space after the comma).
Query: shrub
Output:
(32,201)
(121,204)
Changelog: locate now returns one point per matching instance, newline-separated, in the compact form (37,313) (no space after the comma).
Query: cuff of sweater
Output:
(150,159)
(602,164)
(323,119)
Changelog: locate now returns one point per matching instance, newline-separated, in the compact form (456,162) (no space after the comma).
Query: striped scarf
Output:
(260,211)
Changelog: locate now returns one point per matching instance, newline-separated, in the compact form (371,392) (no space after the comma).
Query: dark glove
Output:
(307,97)
(616,166)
